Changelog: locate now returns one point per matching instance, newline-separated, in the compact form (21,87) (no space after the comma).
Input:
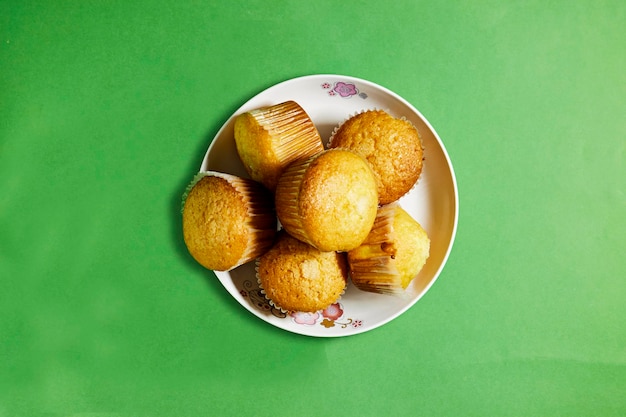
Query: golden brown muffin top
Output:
(392,147)
(215,223)
(329,200)
(297,277)
(393,253)
(412,246)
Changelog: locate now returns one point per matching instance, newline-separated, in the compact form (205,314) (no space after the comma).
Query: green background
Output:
(107,108)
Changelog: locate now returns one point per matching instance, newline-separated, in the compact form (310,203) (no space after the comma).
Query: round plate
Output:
(433,202)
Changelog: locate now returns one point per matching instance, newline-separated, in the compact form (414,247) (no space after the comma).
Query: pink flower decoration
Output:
(345,89)
(326,86)
(357,323)
(305,318)
(333,311)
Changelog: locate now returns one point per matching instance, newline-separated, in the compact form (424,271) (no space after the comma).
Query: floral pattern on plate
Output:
(257,299)
(331,316)
(343,89)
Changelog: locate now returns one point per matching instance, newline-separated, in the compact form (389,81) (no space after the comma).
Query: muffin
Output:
(227,220)
(392,146)
(392,255)
(328,200)
(270,138)
(295,276)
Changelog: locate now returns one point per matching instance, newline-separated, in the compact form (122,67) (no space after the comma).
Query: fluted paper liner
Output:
(269,138)
(287,199)
(377,272)
(294,132)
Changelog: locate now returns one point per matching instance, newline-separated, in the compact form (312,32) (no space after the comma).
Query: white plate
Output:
(328,100)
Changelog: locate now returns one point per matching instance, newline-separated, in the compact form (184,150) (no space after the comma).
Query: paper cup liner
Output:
(372,265)
(287,197)
(294,132)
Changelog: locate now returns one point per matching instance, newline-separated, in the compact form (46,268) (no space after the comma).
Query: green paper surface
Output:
(107,109)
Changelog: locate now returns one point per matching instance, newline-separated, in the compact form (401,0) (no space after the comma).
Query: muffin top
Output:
(270,138)
(297,277)
(412,246)
(393,253)
(329,200)
(217,225)
(392,147)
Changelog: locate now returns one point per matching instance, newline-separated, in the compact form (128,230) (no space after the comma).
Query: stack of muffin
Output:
(312,217)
